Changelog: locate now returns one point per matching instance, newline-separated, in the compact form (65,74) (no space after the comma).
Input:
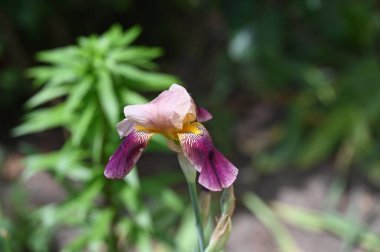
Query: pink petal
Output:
(216,171)
(203,115)
(125,127)
(140,114)
(170,110)
(126,156)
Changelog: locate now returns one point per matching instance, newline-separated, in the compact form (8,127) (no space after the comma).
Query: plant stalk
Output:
(198,220)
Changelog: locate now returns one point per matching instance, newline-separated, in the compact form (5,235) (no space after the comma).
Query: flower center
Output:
(172,134)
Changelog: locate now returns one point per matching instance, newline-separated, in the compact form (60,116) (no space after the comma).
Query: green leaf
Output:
(62,162)
(78,243)
(77,94)
(108,99)
(41,74)
(41,120)
(145,64)
(39,162)
(79,206)
(63,75)
(97,142)
(324,138)
(135,53)
(52,75)
(46,94)
(60,56)
(185,236)
(80,126)
(144,242)
(172,200)
(144,80)
(114,32)
(130,36)
(130,197)
(101,224)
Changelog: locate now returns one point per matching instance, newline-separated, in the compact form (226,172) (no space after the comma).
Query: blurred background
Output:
(294,88)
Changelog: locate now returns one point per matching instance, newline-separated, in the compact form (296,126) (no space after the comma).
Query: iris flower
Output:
(174,115)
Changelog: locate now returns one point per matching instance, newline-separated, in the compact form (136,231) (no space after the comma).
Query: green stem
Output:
(198,221)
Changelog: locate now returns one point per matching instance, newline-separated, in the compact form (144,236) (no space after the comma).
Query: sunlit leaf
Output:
(65,55)
(45,95)
(130,36)
(144,80)
(78,92)
(97,142)
(41,120)
(107,97)
(62,162)
(41,74)
(136,53)
(82,125)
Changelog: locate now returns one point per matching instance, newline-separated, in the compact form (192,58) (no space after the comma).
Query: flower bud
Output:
(222,230)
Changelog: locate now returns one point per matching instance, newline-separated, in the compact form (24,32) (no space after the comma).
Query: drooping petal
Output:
(170,110)
(125,127)
(126,156)
(216,172)
(203,115)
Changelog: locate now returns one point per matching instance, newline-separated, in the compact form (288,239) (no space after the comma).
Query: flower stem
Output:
(195,205)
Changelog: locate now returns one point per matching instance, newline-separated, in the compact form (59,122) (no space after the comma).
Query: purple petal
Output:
(203,115)
(126,156)
(216,171)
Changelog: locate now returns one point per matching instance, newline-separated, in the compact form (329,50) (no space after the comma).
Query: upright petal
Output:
(203,115)
(216,172)
(170,110)
(140,114)
(126,156)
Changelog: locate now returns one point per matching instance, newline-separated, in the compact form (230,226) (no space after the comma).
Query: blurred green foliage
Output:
(86,85)
(354,233)
(317,62)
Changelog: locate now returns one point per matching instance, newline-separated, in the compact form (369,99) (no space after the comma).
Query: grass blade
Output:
(266,216)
